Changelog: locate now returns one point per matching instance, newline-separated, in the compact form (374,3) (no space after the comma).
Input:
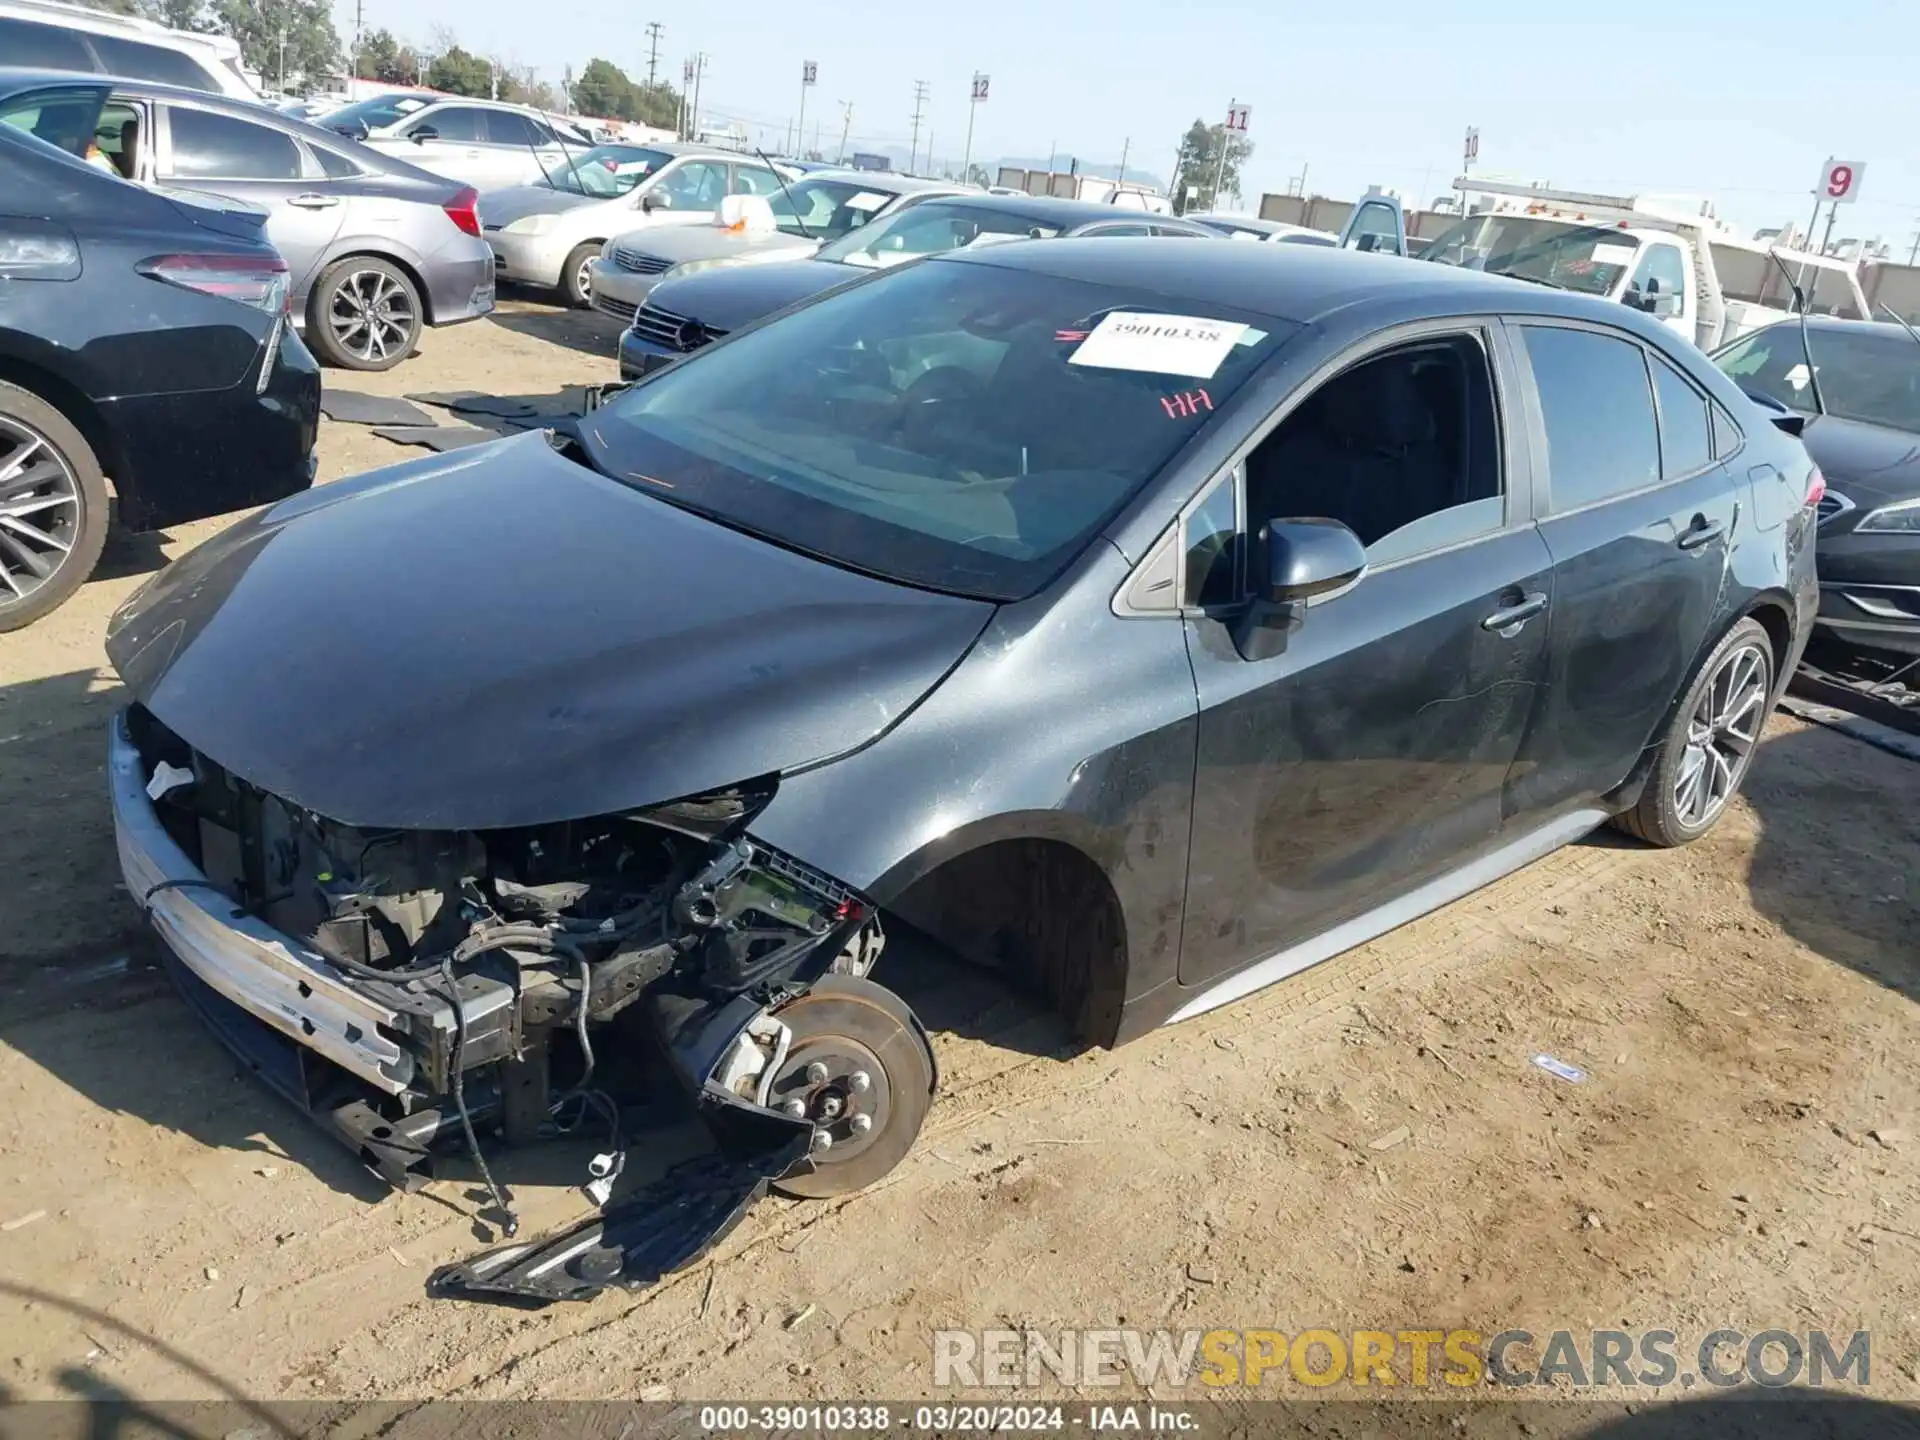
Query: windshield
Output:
(957,426)
(365,116)
(929,228)
(1869,375)
(1587,258)
(827,209)
(607,171)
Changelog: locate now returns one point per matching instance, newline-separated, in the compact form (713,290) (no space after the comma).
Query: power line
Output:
(653,52)
(919,104)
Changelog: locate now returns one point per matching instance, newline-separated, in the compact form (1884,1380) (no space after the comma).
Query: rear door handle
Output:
(312,201)
(1507,621)
(1702,532)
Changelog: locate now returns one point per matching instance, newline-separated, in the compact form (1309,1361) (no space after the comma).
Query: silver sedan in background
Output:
(375,249)
(807,213)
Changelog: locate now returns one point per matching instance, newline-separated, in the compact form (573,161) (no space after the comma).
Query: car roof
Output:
(1046,210)
(1302,283)
(1835,322)
(885,179)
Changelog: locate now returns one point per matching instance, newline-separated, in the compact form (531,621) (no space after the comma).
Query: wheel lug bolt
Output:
(859,1082)
(860,1124)
(822,1140)
(795,1108)
(816,1074)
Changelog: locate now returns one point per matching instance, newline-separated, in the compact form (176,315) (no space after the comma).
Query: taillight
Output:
(1816,488)
(256,280)
(461,210)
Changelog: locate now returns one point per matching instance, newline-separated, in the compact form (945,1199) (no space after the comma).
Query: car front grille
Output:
(1832,504)
(630,259)
(671,331)
(619,309)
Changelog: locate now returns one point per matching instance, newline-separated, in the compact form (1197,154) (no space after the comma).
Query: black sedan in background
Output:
(1148,622)
(144,338)
(1860,399)
(684,314)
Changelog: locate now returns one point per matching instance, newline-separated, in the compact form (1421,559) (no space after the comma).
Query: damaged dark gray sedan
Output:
(1149,622)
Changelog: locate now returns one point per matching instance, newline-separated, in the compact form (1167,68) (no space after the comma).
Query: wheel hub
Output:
(1722,732)
(839,1085)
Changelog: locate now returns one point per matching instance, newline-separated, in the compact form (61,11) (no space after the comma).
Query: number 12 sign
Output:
(1840,181)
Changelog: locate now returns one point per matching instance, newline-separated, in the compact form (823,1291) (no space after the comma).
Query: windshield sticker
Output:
(1186,405)
(632,167)
(867,200)
(1797,377)
(1613,254)
(1251,337)
(1159,344)
(407,107)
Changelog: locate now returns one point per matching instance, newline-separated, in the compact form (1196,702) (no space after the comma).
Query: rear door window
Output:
(1602,438)
(210,146)
(504,127)
(461,124)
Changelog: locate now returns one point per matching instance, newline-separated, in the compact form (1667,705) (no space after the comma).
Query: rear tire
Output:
(53,512)
(575,283)
(1709,743)
(365,314)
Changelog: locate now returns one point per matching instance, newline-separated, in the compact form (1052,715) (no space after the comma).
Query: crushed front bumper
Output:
(270,976)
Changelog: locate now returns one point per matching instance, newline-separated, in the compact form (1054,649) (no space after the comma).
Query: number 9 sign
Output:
(1840,181)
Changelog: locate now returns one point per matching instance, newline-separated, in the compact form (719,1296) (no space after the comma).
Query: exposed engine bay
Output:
(557,980)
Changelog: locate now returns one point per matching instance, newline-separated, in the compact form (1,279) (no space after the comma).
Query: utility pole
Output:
(1914,258)
(1053,149)
(653,52)
(846,126)
(283,52)
(1833,213)
(919,104)
(686,89)
(359,20)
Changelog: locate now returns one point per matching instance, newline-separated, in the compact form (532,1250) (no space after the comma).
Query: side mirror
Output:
(420,134)
(1306,558)
(1302,559)
(651,202)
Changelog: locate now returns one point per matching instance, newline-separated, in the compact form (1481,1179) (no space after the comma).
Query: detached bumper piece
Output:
(658,1229)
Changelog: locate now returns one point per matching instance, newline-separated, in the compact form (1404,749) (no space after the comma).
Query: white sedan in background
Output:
(548,234)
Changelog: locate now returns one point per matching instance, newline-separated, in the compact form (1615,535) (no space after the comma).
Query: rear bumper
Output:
(460,281)
(271,976)
(188,455)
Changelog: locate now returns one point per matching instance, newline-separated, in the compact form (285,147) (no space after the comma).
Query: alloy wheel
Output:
(39,510)
(1722,732)
(583,280)
(372,315)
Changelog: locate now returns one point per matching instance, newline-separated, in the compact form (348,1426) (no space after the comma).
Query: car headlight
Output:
(532,225)
(1902,518)
(687,267)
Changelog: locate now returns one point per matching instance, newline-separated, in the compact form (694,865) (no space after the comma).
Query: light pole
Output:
(809,72)
(980,83)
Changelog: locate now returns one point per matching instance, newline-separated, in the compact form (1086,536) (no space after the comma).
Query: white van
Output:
(37,34)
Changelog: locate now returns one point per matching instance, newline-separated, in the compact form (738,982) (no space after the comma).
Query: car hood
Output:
(681,243)
(728,298)
(500,207)
(504,637)
(1865,461)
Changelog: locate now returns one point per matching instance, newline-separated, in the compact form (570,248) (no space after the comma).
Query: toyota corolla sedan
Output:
(1147,622)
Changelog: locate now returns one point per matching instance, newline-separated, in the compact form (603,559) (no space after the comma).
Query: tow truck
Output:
(1669,257)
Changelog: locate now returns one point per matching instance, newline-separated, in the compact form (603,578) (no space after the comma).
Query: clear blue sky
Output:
(1738,99)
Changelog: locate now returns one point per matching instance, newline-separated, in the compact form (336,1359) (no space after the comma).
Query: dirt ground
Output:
(1744,1150)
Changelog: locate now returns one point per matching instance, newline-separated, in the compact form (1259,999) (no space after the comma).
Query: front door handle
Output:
(1702,532)
(1506,621)
(313,201)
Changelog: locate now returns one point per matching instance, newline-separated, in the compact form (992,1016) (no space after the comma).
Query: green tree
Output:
(379,57)
(116,7)
(460,73)
(657,104)
(604,91)
(179,14)
(285,40)
(1200,168)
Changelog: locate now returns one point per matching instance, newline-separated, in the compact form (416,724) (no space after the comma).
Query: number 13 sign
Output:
(1840,180)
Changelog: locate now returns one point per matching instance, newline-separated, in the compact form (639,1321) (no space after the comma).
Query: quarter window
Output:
(1726,434)
(219,147)
(1602,439)
(1213,545)
(336,165)
(1686,437)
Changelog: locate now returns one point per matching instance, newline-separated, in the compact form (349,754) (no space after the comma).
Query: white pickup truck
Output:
(1671,259)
